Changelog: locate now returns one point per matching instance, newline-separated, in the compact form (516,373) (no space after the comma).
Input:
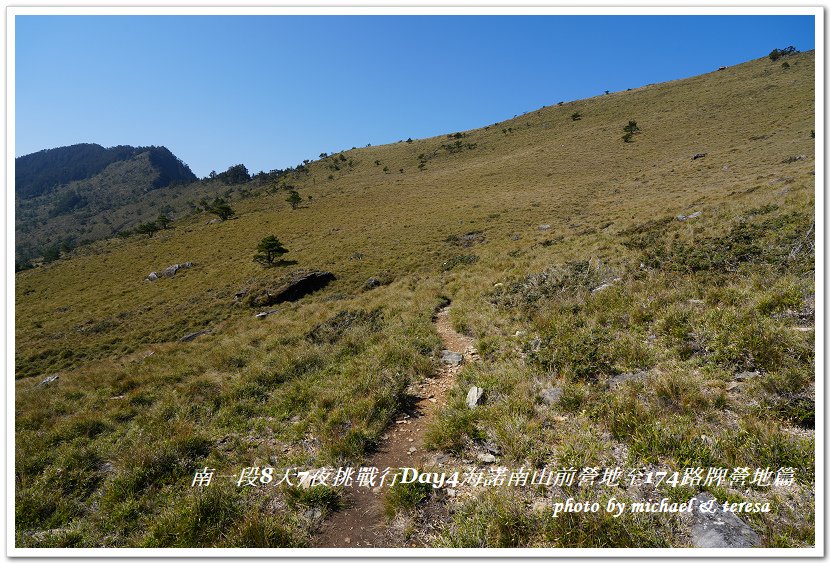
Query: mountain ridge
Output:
(70,194)
(39,172)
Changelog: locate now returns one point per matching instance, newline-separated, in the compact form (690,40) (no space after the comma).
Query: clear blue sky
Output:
(270,91)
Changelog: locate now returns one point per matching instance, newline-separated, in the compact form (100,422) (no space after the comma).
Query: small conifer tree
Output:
(269,251)
(294,199)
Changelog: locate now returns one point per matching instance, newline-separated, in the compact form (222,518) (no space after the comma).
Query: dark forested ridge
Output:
(73,195)
(40,172)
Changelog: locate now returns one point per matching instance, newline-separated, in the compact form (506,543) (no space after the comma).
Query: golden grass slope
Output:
(573,175)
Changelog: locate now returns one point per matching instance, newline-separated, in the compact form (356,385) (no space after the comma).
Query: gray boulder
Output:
(474,396)
(550,396)
(152,276)
(49,380)
(170,271)
(193,335)
(451,358)
(487,458)
(690,216)
(744,375)
(719,528)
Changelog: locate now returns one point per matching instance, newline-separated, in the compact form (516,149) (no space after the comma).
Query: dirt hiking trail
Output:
(363,523)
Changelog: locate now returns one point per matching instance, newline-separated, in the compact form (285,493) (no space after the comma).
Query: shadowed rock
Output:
(291,288)
(193,335)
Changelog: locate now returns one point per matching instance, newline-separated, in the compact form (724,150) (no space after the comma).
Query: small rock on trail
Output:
(451,358)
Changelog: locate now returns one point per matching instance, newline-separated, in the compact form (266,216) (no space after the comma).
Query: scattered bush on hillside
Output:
(163,221)
(51,253)
(783,242)
(220,208)
(630,130)
(576,116)
(294,199)
(458,146)
(269,251)
(776,54)
(573,277)
(150,228)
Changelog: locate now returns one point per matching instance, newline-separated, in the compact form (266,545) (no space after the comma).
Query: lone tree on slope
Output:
(269,251)
(221,208)
(294,199)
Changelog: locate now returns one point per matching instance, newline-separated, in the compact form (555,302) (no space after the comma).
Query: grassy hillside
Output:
(518,223)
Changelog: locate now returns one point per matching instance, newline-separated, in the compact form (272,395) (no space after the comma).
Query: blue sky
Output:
(270,91)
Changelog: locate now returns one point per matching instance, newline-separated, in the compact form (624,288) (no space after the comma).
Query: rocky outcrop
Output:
(193,335)
(719,528)
(686,217)
(290,288)
(169,271)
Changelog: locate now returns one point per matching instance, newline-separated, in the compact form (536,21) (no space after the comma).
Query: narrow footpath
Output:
(362,523)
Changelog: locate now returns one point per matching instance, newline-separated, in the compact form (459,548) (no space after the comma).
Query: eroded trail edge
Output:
(363,523)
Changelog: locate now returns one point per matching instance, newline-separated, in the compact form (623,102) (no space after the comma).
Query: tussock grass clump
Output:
(459,260)
(503,519)
(571,278)
(404,497)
